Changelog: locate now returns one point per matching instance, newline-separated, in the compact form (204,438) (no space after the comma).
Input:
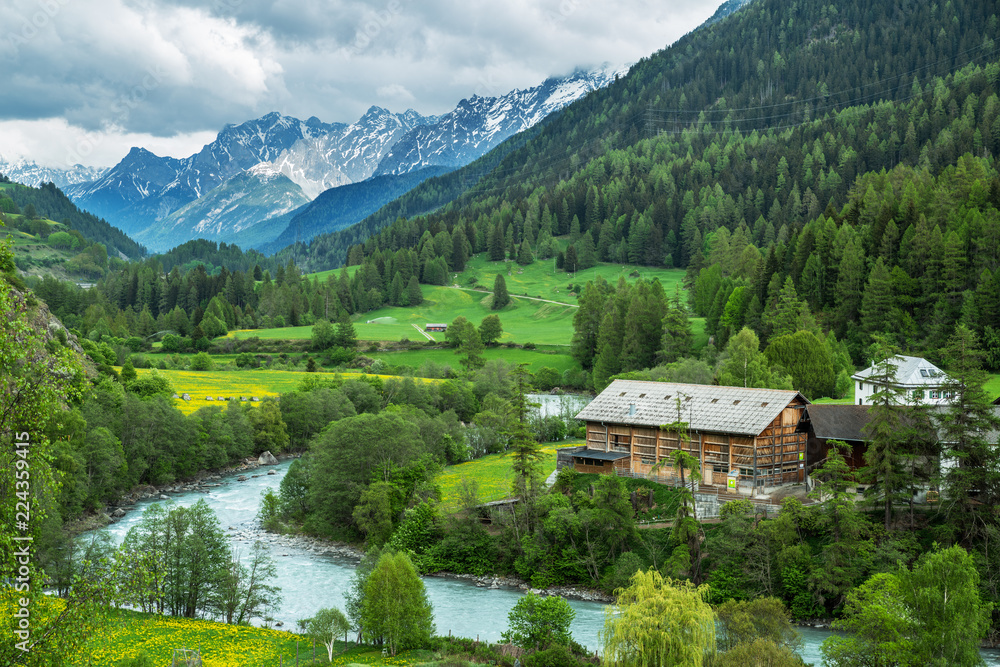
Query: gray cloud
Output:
(168,68)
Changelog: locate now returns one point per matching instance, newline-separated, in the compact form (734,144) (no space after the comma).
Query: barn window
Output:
(715,400)
(736,402)
(622,394)
(764,404)
(642,396)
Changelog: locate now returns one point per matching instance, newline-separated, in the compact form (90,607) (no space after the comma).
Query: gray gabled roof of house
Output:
(910,372)
(706,408)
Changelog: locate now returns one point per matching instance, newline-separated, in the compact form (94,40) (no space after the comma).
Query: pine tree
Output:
(883,469)
(971,465)
(876,303)
(500,296)
(524,254)
(677,337)
(587,320)
(345,336)
(413,292)
(496,247)
(609,345)
(571,263)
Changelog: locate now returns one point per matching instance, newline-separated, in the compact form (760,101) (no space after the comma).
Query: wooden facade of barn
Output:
(759,433)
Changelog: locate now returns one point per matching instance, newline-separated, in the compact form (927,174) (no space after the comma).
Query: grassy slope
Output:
(541,279)
(525,321)
(42,259)
(535,359)
(492,473)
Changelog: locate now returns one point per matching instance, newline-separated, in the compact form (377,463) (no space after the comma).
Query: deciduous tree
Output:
(539,622)
(658,622)
(395,609)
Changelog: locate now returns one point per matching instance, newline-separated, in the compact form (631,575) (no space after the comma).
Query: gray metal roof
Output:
(598,455)
(835,421)
(704,407)
(910,372)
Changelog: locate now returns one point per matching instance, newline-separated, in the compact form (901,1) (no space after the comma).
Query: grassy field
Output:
(524,321)
(541,279)
(561,361)
(493,474)
(131,634)
(249,383)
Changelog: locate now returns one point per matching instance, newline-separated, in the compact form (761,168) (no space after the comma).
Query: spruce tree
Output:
(571,263)
(883,469)
(970,464)
(677,337)
(495,246)
(416,297)
(500,296)
(524,254)
(345,336)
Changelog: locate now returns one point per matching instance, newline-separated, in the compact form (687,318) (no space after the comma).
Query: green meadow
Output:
(492,474)
(542,280)
(528,319)
(536,359)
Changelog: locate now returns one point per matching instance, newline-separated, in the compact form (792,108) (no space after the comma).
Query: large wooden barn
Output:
(758,435)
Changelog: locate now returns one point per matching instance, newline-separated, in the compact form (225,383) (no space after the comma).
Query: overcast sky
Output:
(83,80)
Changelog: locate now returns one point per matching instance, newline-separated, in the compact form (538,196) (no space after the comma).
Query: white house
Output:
(915,378)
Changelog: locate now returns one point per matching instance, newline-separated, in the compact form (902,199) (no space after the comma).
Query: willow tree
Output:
(657,621)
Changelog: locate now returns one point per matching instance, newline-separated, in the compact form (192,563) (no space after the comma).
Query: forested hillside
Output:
(47,201)
(769,129)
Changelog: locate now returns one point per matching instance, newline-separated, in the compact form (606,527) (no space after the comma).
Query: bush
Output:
(557,656)
(539,622)
(202,362)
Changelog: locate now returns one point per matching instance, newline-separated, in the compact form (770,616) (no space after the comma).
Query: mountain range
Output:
(247,186)
(29,173)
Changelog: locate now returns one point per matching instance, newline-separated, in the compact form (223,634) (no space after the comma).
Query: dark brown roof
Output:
(598,455)
(833,421)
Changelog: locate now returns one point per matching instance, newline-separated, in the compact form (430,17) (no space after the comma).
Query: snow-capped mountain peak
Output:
(29,173)
(277,151)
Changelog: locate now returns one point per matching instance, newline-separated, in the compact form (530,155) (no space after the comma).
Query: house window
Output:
(935,393)
(918,394)
(861,386)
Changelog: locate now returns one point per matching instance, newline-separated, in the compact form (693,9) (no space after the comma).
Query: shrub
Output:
(202,362)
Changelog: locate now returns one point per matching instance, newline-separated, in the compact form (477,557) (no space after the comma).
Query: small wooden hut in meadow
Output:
(759,434)
(435,327)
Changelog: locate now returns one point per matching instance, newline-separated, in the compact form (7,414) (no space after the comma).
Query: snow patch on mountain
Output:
(29,173)
(478,124)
